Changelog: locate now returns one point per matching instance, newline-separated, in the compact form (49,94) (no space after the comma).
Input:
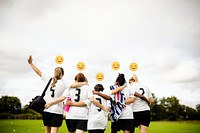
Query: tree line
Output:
(163,109)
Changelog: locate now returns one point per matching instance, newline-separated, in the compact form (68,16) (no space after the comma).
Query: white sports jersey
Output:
(54,93)
(97,118)
(139,104)
(127,112)
(127,92)
(77,95)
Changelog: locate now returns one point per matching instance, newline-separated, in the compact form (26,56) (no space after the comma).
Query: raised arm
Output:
(30,61)
(119,89)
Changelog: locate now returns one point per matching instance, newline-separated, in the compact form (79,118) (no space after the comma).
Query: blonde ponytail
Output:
(58,74)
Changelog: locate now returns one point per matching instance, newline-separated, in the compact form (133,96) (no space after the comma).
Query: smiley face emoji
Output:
(115,65)
(59,59)
(80,66)
(133,66)
(99,76)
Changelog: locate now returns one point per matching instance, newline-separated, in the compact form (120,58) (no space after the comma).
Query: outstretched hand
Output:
(30,59)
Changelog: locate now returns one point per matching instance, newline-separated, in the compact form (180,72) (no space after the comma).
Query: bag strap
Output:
(43,93)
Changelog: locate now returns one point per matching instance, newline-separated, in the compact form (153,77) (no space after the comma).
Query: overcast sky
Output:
(162,37)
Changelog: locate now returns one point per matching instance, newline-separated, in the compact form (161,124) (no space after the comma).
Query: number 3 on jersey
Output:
(77,95)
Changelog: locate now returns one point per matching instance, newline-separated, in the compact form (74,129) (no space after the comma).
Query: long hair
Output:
(120,79)
(58,74)
(80,77)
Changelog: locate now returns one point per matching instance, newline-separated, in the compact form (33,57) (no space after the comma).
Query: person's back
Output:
(77,95)
(97,117)
(53,93)
(139,104)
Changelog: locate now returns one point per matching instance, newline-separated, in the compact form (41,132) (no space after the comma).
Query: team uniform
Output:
(77,117)
(126,120)
(97,118)
(53,116)
(141,109)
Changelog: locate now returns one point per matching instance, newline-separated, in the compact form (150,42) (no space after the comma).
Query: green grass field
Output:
(36,126)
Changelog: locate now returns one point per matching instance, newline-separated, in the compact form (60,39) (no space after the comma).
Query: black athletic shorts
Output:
(72,125)
(96,131)
(142,118)
(123,124)
(52,120)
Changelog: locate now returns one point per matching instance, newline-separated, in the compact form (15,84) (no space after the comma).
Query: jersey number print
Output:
(77,95)
(52,94)
(99,99)
(142,91)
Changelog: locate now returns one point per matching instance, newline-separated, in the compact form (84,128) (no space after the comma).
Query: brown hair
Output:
(58,74)
(98,87)
(80,77)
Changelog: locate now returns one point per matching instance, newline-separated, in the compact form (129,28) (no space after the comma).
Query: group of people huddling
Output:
(127,106)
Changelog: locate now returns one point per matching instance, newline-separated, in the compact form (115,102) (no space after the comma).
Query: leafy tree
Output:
(157,111)
(198,108)
(172,107)
(10,104)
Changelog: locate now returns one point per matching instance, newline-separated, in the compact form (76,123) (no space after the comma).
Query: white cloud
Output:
(162,37)
(186,71)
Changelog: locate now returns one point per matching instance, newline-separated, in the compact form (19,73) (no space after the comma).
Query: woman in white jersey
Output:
(76,117)
(141,109)
(98,111)
(53,116)
(124,117)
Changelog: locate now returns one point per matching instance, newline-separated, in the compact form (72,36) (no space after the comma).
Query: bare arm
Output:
(78,84)
(30,61)
(60,99)
(141,97)
(119,89)
(151,100)
(78,104)
(95,102)
(130,100)
(102,95)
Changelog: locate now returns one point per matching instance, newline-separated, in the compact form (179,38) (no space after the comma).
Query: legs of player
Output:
(126,131)
(47,129)
(79,131)
(54,129)
(143,129)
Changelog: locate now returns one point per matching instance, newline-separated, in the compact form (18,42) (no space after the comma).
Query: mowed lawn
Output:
(36,126)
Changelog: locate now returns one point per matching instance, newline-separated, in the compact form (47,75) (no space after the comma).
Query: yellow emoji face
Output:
(59,59)
(99,76)
(115,65)
(80,66)
(133,66)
